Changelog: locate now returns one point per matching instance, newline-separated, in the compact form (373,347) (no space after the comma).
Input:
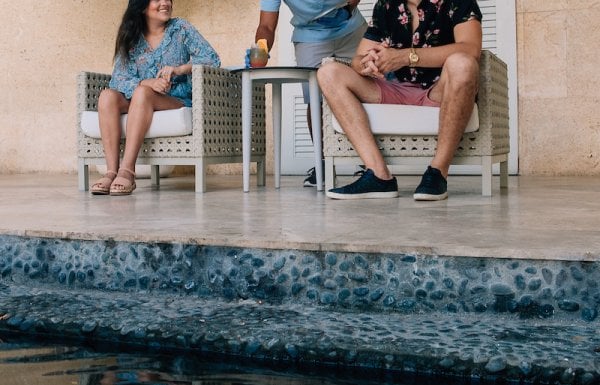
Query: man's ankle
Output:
(443,170)
(383,174)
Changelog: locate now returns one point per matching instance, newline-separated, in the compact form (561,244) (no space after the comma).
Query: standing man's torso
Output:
(317,20)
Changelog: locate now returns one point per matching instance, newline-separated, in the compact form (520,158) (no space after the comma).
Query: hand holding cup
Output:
(259,54)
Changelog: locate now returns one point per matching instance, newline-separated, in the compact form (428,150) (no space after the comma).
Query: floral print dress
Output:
(181,44)
(392,23)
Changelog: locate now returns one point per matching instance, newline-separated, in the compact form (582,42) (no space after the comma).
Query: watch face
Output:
(413,58)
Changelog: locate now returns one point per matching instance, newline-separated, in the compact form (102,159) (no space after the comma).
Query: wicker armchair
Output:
(486,146)
(216,128)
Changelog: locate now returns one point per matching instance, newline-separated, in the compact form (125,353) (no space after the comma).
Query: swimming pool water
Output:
(36,363)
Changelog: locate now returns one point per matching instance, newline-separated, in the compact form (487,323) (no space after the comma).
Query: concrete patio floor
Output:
(536,217)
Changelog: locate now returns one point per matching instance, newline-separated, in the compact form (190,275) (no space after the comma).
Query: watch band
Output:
(413,58)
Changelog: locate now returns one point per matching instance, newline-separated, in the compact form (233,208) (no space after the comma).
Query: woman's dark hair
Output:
(133,26)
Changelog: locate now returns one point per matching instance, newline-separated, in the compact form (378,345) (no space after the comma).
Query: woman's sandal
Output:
(102,185)
(124,183)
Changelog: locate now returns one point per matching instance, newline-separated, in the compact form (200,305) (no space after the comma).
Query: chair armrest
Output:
(89,86)
(216,97)
(215,84)
(343,60)
(216,108)
(492,100)
(217,111)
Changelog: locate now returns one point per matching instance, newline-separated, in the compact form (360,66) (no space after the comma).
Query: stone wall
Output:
(559,121)
(364,282)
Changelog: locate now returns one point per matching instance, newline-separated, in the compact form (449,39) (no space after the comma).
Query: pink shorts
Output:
(394,92)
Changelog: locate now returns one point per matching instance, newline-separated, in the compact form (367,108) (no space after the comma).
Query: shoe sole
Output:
(309,184)
(371,195)
(430,197)
(119,193)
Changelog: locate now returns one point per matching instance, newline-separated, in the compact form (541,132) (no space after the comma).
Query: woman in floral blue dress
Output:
(154,54)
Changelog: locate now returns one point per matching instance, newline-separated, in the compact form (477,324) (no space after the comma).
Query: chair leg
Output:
(261,172)
(83,175)
(504,174)
(200,176)
(155,175)
(329,173)
(486,176)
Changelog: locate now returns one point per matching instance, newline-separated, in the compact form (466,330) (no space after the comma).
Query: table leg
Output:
(246,127)
(315,116)
(277,131)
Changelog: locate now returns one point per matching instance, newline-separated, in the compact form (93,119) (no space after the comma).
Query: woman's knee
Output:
(109,99)
(142,94)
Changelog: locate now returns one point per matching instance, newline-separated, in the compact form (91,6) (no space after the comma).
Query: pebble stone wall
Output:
(386,282)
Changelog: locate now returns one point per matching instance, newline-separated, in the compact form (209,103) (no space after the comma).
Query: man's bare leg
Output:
(345,90)
(456,92)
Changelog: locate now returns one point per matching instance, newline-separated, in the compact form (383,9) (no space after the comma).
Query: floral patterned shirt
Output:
(181,44)
(392,23)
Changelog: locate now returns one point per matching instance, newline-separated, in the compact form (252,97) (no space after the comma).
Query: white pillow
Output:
(164,123)
(398,119)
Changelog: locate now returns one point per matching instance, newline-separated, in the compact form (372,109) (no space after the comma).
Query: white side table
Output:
(278,76)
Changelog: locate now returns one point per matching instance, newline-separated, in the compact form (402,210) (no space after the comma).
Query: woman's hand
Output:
(167,72)
(159,85)
(162,82)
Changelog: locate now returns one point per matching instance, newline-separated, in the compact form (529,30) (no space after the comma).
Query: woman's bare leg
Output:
(143,104)
(111,104)
(139,117)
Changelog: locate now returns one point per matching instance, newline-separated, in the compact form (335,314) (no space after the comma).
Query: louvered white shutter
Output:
(488,9)
(366,8)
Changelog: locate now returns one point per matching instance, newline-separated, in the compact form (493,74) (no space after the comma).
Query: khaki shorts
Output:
(311,54)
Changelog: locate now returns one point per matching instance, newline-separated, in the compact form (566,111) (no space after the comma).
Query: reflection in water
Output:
(38,364)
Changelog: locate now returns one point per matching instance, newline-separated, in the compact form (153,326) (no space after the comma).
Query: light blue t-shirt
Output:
(312,22)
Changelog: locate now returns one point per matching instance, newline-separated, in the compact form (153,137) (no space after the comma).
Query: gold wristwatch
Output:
(413,58)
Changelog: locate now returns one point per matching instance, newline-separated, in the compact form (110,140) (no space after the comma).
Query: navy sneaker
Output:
(433,186)
(311,179)
(367,186)
(361,170)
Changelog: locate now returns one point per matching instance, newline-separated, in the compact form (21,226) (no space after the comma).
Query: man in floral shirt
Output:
(433,49)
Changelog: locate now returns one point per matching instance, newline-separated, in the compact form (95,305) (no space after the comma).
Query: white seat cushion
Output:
(397,119)
(164,123)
